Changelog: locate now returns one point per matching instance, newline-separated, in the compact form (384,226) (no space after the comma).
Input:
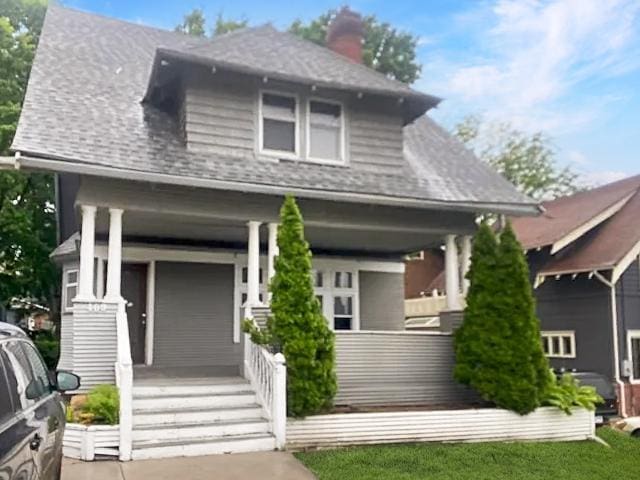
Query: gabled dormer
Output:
(261,94)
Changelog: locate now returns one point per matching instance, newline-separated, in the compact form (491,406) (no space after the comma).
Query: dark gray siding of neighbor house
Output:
(381,300)
(628,304)
(584,306)
(194,316)
(67,188)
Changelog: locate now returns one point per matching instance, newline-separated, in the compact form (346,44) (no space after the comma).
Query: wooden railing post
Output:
(279,402)
(124,380)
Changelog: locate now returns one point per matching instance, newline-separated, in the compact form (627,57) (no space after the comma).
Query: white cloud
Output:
(531,56)
(594,179)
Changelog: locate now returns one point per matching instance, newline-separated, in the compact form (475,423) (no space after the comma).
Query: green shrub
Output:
(102,406)
(498,348)
(296,326)
(49,347)
(566,392)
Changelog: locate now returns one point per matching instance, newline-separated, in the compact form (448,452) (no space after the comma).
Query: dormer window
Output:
(325,131)
(279,124)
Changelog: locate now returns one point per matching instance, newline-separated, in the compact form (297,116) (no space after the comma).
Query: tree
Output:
(296,326)
(386,49)
(526,160)
(27,214)
(498,348)
(193,23)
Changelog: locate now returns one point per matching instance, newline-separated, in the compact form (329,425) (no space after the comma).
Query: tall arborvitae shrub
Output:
(296,326)
(498,348)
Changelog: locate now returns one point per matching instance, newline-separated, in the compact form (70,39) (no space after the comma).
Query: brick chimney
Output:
(345,33)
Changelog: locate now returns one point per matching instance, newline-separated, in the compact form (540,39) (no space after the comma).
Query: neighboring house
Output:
(583,254)
(173,155)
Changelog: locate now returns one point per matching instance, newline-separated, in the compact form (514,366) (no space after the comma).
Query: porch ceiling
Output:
(174,228)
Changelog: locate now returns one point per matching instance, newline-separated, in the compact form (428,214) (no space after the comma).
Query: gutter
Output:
(60,165)
(10,163)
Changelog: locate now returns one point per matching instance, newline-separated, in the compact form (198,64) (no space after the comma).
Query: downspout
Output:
(616,353)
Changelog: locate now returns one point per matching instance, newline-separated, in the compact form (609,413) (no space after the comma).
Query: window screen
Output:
(278,123)
(325,130)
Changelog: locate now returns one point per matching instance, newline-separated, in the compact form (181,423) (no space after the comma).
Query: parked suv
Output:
(32,416)
(605,389)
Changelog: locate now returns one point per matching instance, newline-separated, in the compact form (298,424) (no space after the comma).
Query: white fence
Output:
(473,425)
(267,374)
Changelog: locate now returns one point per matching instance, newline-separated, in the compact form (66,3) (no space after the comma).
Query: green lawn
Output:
(478,461)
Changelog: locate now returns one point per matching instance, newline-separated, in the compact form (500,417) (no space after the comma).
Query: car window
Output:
(38,368)
(8,389)
(31,382)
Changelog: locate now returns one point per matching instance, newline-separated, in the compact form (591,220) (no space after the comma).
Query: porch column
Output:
(466,262)
(452,272)
(253,264)
(114,264)
(273,251)
(87,247)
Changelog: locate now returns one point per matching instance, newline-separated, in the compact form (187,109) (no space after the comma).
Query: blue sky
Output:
(569,68)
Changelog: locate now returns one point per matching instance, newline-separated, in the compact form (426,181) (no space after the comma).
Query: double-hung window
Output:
(279,124)
(70,288)
(559,344)
(337,293)
(325,131)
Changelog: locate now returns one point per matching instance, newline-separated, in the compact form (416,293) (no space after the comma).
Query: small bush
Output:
(100,407)
(566,392)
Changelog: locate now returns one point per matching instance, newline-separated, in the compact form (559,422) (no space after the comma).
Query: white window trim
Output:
(343,137)
(296,130)
(631,334)
(328,291)
(67,284)
(547,335)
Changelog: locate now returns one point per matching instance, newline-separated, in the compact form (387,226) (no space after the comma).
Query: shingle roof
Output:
(83,108)
(567,214)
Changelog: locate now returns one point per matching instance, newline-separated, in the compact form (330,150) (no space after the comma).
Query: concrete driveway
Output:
(241,466)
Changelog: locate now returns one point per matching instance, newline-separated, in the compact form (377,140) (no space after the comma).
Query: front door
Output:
(134,291)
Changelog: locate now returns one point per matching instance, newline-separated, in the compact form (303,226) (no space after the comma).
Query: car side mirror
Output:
(66,381)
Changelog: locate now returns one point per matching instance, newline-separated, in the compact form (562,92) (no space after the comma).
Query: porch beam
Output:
(253,264)
(87,248)
(272,251)
(114,265)
(452,271)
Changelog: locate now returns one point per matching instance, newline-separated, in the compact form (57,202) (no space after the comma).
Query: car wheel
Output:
(636,433)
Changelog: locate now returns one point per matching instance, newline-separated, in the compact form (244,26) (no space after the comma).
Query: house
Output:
(172,156)
(583,254)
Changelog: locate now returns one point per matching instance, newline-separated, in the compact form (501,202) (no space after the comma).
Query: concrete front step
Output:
(176,432)
(188,447)
(192,415)
(182,401)
(185,389)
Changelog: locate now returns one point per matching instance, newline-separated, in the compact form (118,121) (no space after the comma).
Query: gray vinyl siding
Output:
(193,322)
(584,306)
(220,120)
(628,306)
(397,368)
(381,300)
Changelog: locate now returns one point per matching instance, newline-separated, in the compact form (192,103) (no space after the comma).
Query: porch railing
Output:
(124,381)
(267,374)
(428,306)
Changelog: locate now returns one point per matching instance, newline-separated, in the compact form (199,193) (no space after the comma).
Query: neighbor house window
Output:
(337,293)
(559,344)
(325,131)
(70,288)
(634,353)
(279,123)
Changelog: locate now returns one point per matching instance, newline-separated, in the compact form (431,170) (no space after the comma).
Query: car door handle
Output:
(35,443)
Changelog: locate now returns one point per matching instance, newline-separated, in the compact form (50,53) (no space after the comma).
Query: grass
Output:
(479,461)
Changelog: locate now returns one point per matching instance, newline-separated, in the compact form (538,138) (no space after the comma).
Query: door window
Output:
(9,402)
(32,378)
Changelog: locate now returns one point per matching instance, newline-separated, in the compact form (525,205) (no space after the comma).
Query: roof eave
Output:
(31,160)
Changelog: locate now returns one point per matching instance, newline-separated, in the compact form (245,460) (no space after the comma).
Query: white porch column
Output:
(253,264)
(114,265)
(272,251)
(87,247)
(452,272)
(466,262)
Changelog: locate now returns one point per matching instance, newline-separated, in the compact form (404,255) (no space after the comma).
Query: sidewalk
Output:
(242,466)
